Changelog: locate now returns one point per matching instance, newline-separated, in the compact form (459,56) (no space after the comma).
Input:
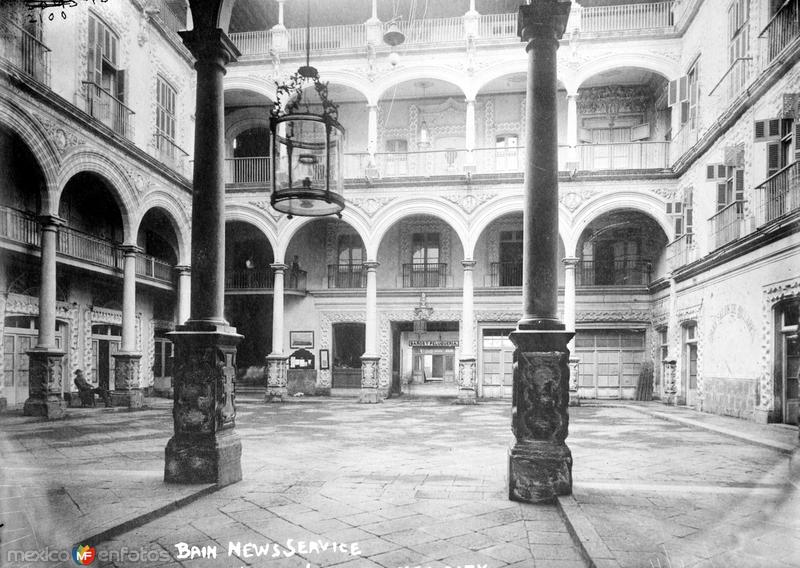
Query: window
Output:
(163,356)
(506,154)
(663,341)
(689,364)
(682,213)
(732,189)
(425,248)
(685,92)
(425,269)
(787,362)
(351,250)
(103,64)
(396,160)
(510,273)
(165,114)
(738,36)
(782,136)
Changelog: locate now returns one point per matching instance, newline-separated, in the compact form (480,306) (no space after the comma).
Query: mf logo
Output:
(83,554)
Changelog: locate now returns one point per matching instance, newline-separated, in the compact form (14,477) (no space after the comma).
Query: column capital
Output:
(210,45)
(469,264)
(570,261)
(130,250)
(183,269)
(543,20)
(470,101)
(279,266)
(54,221)
(371,265)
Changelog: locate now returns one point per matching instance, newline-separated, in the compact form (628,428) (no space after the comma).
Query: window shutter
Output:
(774,127)
(678,227)
(90,54)
(641,132)
(585,135)
(739,187)
(797,139)
(672,93)
(685,114)
(711,171)
(721,171)
(721,196)
(669,208)
(683,88)
(121,85)
(773,158)
(760,130)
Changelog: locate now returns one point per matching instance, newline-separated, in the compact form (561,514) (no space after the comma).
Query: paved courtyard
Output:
(403,483)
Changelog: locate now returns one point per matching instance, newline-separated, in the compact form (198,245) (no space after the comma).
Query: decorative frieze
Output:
(770,296)
(469,201)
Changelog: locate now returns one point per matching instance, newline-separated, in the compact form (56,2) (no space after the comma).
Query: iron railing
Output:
(783,29)
(328,38)
(681,251)
(168,152)
(778,195)
(253,43)
(154,268)
(173,20)
(505,274)
(108,109)
(347,276)
(728,224)
(250,279)
(623,156)
(25,51)
(248,171)
(620,272)
(626,17)
(20,226)
(427,163)
(425,275)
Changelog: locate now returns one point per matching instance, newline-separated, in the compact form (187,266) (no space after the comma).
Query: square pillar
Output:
(44,384)
(127,384)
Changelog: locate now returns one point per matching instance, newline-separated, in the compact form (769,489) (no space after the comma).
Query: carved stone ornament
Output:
(267,208)
(614,316)
(62,137)
(613,100)
(470,201)
(370,205)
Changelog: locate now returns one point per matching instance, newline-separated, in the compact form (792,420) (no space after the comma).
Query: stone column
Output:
(374,27)
(540,463)
(467,387)
(372,140)
(184,292)
(469,166)
(671,381)
(277,364)
(205,447)
(572,127)
(570,263)
(370,358)
(127,382)
(45,372)
(280,35)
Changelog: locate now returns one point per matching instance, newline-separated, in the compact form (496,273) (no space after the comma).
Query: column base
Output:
(132,398)
(370,393)
(3,403)
(369,396)
(466,381)
(466,396)
(538,471)
(205,459)
(277,375)
(760,415)
(45,384)
(574,399)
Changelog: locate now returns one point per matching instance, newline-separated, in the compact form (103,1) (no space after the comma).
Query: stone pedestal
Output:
(44,384)
(670,386)
(127,386)
(277,369)
(540,463)
(574,399)
(466,381)
(205,447)
(369,380)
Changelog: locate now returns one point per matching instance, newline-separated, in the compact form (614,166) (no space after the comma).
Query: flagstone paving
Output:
(402,483)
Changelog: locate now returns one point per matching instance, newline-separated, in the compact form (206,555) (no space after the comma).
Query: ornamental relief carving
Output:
(61,136)
(370,205)
(613,100)
(771,296)
(324,377)
(614,316)
(469,201)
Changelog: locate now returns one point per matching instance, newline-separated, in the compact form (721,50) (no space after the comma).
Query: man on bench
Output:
(86,391)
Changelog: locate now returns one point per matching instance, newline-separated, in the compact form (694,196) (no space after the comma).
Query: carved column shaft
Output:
(570,263)
(276,360)
(540,463)
(184,293)
(467,389)
(370,359)
(44,374)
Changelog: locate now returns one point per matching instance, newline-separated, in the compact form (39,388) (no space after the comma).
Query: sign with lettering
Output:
(433,342)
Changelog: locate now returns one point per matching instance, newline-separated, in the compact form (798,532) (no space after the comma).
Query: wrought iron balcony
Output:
(425,275)
(783,29)
(728,224)
(263,279)
(606,20)
(168,152)
(681,251)
(347,276)
(248,171)
(779,195)
(622,272)
(108,109)
(623,156)
(25,51)
(505,274)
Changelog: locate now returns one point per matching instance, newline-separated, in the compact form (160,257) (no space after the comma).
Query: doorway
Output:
(787,363)
(105,344)
(348,347)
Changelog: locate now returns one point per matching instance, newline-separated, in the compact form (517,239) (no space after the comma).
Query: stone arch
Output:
(347,79)
(647,203)
(242,120)
(447,213)
(254,216)
(355,219)
(35,138)
(660,64)
(105,167)
(179,218)
(496,209)
(260,85)
(512,67)
(437,72)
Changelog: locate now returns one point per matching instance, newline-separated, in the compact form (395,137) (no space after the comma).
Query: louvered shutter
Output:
(641,132)
(121,85)
(722,200)
(797,139)
(773,158)
(672,92)
(739,185)
(711,171)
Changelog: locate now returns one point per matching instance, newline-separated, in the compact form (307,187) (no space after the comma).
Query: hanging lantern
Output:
(307,148)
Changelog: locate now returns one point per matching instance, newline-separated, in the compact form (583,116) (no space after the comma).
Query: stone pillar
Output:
(372,140)
(540,463)
(205,447)
(370,358)
(127,381)
(572,128)
(469,166)
(280,35)
(184,292)
(374,27)
(671,381)
(277,362)
(45,371)
(570,263)
(467,387)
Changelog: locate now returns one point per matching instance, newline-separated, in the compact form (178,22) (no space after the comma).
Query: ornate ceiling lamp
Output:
(307,146)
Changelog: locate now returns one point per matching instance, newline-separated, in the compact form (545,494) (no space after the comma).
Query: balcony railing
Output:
(19,226)
(347,276)
(25,51)
(432,31)
(783,29)
(108,109)
(681,251)
(171,154)
(732,83)
(626,17)
(625,156)
(622,272)
(728,224)
(429,163)
(682,141)
(253,43)
(355,164)
(425,275)
(250,279)
(247,171)
(328,38)
(174,21)
(498,26)
(778,195)
(22,227)
(505,274)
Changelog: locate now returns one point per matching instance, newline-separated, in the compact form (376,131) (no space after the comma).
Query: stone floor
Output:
(407,483)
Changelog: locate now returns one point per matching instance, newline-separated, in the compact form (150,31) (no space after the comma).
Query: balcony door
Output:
(787,363)
(507,153)
(510,258)
(688,394)
(105,344)
(425,250)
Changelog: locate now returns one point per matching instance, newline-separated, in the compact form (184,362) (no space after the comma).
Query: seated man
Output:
(86,391)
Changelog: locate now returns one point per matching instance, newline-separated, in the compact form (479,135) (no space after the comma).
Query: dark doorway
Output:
(348,347)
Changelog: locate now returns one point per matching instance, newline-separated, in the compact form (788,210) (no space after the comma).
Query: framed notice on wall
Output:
(301,339)
(324,363)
